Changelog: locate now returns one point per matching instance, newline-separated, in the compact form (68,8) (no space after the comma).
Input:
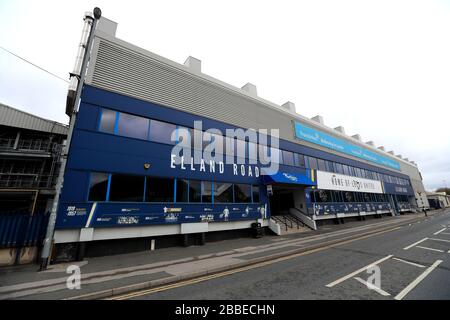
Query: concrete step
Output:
(294,230)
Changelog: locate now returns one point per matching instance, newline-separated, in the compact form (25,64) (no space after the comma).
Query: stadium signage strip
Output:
(325,140)
(334,181)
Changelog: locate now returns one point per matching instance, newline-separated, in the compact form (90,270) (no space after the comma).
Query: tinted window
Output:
(126,188)
(98,186)
(255,190)
(182,190)
(345,170)
(195,191)
(242,193)
(159,189)
(339,168)
(329,166)
(321,164)
(348,197)
(288,158)
(252,151)
(107,121)
(223,192)
(312,162)
(299,160)
(132,126)
(161,131)
(207,191)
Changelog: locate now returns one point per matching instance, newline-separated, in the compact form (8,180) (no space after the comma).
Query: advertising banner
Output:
(340,182)
(325,140)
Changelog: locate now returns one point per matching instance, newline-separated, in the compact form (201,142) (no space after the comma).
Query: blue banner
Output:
(325,140)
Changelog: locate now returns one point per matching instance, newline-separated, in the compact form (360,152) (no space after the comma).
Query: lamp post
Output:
(77,78)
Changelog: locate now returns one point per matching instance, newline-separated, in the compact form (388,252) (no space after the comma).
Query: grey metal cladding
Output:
(134,73)
(123,71)
(20,119)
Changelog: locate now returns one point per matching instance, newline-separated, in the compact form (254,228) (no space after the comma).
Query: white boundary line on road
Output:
(413,284)
(414,244)
(445,233)
(332,284)
(436,239)
(411,263)
(436,233)
(431,249)
(372,287)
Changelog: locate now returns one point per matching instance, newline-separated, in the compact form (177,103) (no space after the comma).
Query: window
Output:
(323,196)
(288,158)
(242,193)
(182,190)
(252,151)
(339,168)
(161,131)
(98,186)
(255,190)
(366,197)
(321,164)
(337,196)
(348,196)
(126,188)
(107,121)
(299,160)
(346,170)
(329,166)
(132,126)
(223,192)
(207,191)
(312,162)
(275,155)
(159,189)
(195,191)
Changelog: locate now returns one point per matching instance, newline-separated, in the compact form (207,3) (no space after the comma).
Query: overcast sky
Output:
(378,68)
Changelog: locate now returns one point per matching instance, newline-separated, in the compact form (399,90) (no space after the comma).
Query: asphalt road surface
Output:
(411,262)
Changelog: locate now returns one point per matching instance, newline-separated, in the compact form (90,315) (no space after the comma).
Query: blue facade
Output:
(93,151)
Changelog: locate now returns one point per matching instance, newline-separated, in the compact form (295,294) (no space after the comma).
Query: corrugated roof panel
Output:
(16,118)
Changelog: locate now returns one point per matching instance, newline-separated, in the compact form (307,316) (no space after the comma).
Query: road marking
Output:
(436,233)
(445,233)
(414,244)
(230,272)
(436,239)
(351,275)
(413,284)
(409,262)
(372,287)
(431,249)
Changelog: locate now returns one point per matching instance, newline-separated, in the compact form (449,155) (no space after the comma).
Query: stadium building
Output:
(124,186)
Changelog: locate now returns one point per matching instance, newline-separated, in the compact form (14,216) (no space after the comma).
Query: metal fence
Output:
(18,230)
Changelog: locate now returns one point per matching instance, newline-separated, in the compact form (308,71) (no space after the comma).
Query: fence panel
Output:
(22,229)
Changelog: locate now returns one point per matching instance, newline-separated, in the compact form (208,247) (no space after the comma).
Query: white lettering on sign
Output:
(213,167)
(334,181)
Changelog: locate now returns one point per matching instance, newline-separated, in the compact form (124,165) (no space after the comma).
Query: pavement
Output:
(186,268)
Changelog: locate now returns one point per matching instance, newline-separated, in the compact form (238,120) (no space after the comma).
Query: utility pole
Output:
(77,78)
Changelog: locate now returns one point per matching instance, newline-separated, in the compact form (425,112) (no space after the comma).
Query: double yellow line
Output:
(237,270)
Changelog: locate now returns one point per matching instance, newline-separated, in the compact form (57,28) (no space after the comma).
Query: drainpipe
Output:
(73,100)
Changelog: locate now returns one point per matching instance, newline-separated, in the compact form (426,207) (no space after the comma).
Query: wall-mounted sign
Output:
(325,140)
(334,181)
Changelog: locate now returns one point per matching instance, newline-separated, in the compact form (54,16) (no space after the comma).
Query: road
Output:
(413,263)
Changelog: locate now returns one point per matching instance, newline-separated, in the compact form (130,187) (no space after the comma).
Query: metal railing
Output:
(34,145)
(27,181)
(288,221)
